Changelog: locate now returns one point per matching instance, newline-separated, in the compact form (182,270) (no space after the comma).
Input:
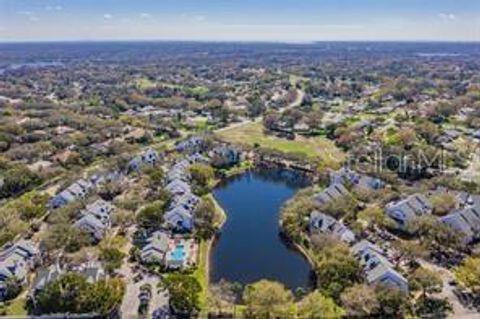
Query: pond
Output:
(250,246)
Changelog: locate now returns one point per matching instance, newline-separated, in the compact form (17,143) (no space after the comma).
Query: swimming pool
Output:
(178,254)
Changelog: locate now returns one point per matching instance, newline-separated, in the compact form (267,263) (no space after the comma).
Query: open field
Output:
(315,147)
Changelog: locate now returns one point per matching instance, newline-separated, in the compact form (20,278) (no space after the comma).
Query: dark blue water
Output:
(250,247)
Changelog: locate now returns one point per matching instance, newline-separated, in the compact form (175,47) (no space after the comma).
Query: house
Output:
(332,192)
(147,157)
(188,201)
(101,209)
(197,158)
(179,218)
(15,262)
(43,277)
(178,187)
(224,156)
(93,226)
(321,223)
(358,180)
(192,145)
(78,190)
(378,269)
(406,210)
(177,173)
(156,248)
(96,218)
(466,221)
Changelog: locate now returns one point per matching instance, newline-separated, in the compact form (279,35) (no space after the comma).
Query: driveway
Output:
(459,311)
(130,304)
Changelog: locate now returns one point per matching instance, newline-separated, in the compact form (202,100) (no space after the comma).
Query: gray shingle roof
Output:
(332,192)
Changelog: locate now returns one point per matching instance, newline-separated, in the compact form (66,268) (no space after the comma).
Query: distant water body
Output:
(33,66)
(250,246)
(438,55)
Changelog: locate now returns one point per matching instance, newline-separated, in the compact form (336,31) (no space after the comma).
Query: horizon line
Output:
(405,41)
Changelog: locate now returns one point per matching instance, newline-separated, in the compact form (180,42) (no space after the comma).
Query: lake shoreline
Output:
(285,177)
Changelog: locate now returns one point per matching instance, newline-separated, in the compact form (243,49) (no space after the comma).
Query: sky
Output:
(240,20)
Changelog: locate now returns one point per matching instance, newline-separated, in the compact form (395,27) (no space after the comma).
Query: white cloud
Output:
(447,16)
(30,15)
(107,16)
(53,8)
(144,15)
(195,17)
(199,18)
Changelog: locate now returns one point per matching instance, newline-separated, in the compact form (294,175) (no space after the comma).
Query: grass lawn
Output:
(312,147)
(16,307)
(202,271)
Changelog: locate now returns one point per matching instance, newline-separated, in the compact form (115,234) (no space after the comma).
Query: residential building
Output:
(147,157)
(378,269)
(358,180)
(466,221)
(156,248)
(96,219)
(179,219)
(224,156)
(76,191)
(332,192)
(192,145)
(321,223)
(178,187)
(15,262)
(406,210)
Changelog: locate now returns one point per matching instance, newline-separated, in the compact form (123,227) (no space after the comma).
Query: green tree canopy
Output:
(468,273)
(268,299)
(71,293)
(317,306)
(184,293)
(360,300)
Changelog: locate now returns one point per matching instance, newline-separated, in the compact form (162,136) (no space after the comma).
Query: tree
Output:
(393,302)
(17,180)
(202,174)
(155,176)
(374,216)
(411,249)
(360,301)
(294,212)
(268,299)
(112,257)
(205,218)
(67,237)
(435,234)
(427,280)
(184,293)
(222,294)
(65,295)
(443,204)
(105,296)
(468,273)
(317,306)
(12,288)
(71,293)
(336,270)
(343,207)
(151,217)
